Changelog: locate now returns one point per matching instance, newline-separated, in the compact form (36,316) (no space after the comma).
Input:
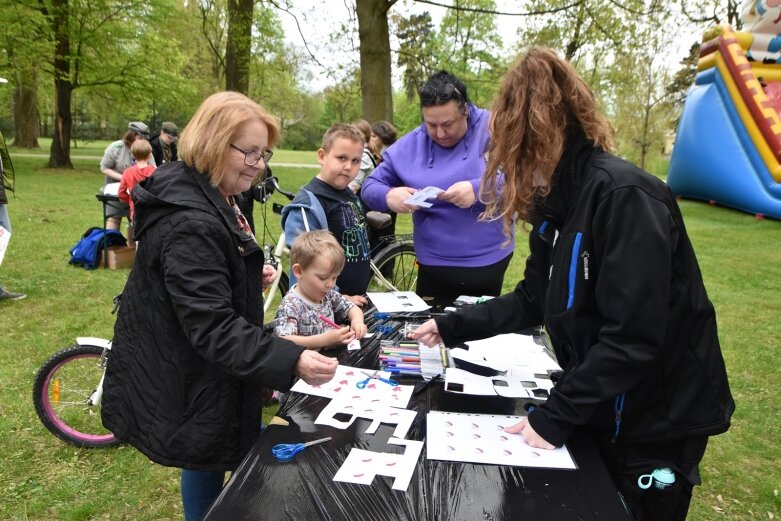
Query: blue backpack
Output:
(87,251)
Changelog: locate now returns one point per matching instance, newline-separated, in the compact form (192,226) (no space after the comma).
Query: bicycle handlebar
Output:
(279,189)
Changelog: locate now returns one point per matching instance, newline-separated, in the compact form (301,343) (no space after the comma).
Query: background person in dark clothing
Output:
(613,278)
(164,143)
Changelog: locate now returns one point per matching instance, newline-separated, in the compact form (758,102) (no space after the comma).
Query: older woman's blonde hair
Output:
(206,139)
(541,99)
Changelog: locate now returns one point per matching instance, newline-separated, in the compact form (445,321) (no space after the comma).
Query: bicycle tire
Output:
(64,407)
(397,265)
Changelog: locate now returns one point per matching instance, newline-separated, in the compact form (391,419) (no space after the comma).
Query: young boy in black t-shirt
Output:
(327,202)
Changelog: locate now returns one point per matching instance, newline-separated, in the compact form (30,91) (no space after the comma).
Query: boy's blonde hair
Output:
(342,130)
(141,149)
(308,246)
(206,139)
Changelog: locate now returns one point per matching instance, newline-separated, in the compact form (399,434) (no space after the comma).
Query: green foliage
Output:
(471,48)
(416,52)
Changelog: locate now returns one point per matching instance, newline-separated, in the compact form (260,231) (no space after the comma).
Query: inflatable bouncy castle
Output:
(728,145)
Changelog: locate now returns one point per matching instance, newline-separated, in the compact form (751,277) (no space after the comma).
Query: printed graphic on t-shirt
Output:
(354,238)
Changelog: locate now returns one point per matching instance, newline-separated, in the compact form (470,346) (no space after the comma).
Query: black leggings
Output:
(444,284)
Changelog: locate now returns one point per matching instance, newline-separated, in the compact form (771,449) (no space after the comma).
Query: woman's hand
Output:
(314,368)
(269,274)
(427,333)
(460,194)
(397,196)
(529,435)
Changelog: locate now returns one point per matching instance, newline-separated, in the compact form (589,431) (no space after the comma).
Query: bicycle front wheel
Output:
(63,394)
(395,268)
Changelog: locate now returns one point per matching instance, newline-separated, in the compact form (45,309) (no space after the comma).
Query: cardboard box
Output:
(118,257)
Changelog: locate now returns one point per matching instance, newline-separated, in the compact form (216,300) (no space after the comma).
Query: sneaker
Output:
(10,295)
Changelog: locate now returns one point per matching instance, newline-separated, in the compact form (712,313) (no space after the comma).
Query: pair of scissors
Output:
(363,383)
(287,451)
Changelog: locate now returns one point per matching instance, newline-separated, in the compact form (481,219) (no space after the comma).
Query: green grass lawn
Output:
(44,479)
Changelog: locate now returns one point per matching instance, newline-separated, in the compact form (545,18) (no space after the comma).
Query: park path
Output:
(97,158)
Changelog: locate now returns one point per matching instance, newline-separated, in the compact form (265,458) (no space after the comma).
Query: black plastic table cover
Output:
(303,489)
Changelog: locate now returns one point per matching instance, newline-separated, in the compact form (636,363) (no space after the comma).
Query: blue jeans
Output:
(199,490)
(5,221)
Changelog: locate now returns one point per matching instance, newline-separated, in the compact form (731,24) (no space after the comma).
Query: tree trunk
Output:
(60,154)
(376,89)
(239,45)
(26,110)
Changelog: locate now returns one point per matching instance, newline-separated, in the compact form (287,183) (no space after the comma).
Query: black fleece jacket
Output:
(613,277)
(189,356)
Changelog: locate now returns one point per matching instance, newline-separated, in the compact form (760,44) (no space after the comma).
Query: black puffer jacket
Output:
(188,358)
(615,280)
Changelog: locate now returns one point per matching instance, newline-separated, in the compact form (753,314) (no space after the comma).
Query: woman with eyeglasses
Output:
(458,254)
(190,361)
(614,279)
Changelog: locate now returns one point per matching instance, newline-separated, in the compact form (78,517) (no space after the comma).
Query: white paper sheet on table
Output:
(419,198)
(343,385)
(511,349)
(111,189)
(398,302)
(480,438)
(378,413)
(361,466)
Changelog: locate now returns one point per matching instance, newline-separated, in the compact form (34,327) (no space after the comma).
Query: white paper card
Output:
(480,438)
(5,238)
(111,189)
(378,413)
(398,302)
(419,197)
(361,466)
(520,382)
(344,386)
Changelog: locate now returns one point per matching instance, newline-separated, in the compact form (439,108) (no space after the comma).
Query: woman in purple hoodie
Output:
(458,254)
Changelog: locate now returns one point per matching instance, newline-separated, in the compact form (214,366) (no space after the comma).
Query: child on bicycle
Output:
(309,312)
(327,203)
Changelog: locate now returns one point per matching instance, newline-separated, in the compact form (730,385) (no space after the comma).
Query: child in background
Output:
(327,203)
(370,157)
(306,310)
(141,150)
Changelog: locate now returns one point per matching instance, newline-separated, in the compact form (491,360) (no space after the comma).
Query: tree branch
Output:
(492,11)
(286,9)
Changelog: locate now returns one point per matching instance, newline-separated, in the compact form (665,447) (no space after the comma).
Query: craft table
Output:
(304,490)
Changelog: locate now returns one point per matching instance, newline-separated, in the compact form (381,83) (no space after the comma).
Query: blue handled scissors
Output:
(287,451)
(363,383)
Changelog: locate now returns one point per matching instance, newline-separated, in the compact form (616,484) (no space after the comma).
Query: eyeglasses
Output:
(252,158)
(430,95)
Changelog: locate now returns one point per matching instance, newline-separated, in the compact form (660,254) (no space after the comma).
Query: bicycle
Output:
(66,396)
(393,263)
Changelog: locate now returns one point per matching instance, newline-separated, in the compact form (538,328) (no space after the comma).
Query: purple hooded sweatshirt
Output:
(444,235)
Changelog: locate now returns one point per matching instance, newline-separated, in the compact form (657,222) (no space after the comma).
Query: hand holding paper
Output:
(419,198)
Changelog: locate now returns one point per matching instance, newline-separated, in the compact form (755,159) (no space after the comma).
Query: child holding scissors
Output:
(310,312)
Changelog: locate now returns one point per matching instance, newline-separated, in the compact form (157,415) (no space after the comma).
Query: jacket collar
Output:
(568,177)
